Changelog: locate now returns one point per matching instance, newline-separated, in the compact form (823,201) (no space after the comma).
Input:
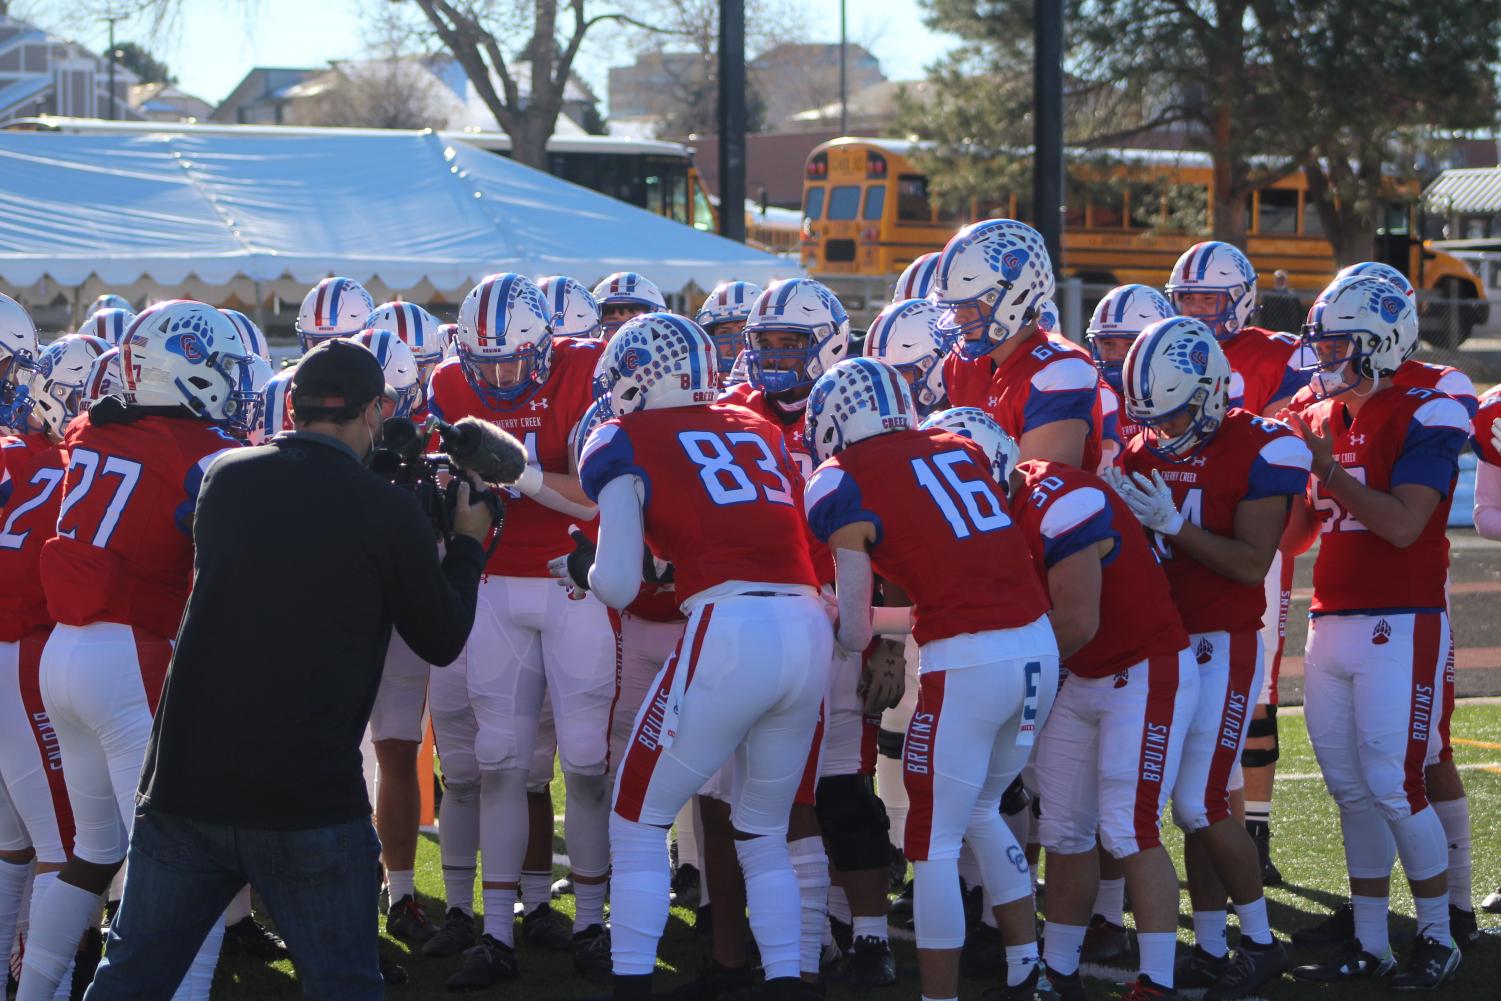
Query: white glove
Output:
(1496,434)
(1150,500)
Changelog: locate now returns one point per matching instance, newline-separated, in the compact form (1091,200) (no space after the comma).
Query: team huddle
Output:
(962,594)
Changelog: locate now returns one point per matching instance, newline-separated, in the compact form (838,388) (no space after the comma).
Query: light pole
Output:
(732,119)
(844,101)
(113,55)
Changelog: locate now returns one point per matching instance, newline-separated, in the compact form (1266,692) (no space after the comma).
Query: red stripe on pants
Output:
(645,748)
(917,764)
(870,729)
(1284,599)
(29,652)
(1151,765)
(1235,715)
(1426,705)
(154,654)
(619,672)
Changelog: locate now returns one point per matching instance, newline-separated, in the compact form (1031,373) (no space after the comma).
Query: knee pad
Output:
(462,791)
(1016,798)
(1370,848)
(1421,843)
(890,742)
(854,822)
(1260,757)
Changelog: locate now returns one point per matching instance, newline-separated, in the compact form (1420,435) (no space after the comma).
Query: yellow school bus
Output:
(868,210)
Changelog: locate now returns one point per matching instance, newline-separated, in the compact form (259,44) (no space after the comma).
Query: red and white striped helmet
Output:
(336,307)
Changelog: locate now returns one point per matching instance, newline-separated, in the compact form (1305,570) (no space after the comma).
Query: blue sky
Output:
(216,41)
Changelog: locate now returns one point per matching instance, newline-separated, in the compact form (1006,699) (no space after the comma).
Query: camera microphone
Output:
(483,449)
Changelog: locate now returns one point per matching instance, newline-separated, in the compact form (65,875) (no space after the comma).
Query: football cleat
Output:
(456,935)
(1027,990)
(591,954)
(1063,986)
(406,921)
(1353,964)
(685,886)
(1253,967)
(1337,929)
(984,953)
(1429,965)
(1144,989)
(1462,926)
(248,937)
(715,981)
(1199,969)
(547,929)
(1106,942)
(485,965)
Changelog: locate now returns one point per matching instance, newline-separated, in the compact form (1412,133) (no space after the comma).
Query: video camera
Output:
(471,446)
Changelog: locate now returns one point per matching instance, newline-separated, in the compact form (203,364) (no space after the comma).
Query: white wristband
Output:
(530,481)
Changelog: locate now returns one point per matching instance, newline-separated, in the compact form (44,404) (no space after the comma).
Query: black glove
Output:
(649,572)
(580,560)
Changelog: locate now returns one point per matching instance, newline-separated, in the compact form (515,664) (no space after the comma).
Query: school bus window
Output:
(875,203)
(912,203)
(1277,211)
(813,204)
(1105,212)
(1145,206)
(947,212)
(1313,224)
(1075,204)
(844,201)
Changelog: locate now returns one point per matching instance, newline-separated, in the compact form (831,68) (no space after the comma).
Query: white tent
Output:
(205,213)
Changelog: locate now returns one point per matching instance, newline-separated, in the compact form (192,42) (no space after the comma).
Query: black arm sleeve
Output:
(432,603)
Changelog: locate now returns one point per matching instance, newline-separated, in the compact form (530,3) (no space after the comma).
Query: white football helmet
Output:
(800,306)
(504,322)
(108,324)
(59,386)
(448,335)
(250,335)
(1177,385)
(723,317)
(104,378)
(982,429)
(599,411)
(858,398)
(905,336)
(1387,273)
(1122,315)
(627,288)
(738,371)
(420,331)
(916,280)
(335,307)
(1221,270)
(1360,331)
(109,301)
(18,354)
(397,362)
(186,353)
(574,311)
(250,423)
(998,274)
(656,361)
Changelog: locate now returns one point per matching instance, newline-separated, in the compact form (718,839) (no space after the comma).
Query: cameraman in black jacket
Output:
(305,560)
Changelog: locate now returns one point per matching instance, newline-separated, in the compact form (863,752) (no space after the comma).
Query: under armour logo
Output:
(1356,439)
(1198,460)
(992,402)
(540,404)
(1382,634)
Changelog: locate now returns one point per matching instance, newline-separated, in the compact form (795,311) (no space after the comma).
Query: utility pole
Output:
(1047,124)
(732,119)
(112,56)
(844,96)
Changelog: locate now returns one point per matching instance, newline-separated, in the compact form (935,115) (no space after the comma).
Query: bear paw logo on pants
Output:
(1204,652)
(1382,633)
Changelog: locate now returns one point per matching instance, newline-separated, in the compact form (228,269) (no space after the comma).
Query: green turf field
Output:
(1306,846)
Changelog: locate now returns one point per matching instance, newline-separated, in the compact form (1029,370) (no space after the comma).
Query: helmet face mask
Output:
(504,341)
(60,381)
(729,339)
(991,283)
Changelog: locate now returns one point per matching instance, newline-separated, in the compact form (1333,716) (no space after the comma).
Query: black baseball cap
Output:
(338,375)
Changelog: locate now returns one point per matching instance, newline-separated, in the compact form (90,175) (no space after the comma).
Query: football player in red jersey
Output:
(1488,510)
(1118,319)
(922,507)
(1385,459)
(36,820)
(1109,755)
(723,317)
(116,577)
(992,282)
(1214,488)
(419,330)
(705,486)
(623,295)
(18,351)
(1216,283)
(529,633)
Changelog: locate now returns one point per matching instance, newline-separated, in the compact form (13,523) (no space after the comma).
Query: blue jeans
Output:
(320,885)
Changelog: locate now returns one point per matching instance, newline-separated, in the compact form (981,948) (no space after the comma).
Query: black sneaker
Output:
(1430,963)
(1353,964)
(843,934)
(1024,991)
(1462,926)
(1261,833)
(871,964)
(547,929)
(406,921)
(392,972)
(1253,967)
(86,963)
(714,981)
(1061,986)
(591,954)
(1143,988)
(485,965)
(984,954)
(1337,929)
(456,935)
(685,886)
(1199,969)
(248,937)
(1106,942)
